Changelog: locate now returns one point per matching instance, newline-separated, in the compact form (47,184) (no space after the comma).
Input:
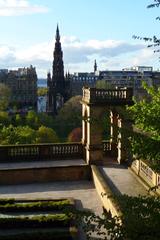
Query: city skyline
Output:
(89,30)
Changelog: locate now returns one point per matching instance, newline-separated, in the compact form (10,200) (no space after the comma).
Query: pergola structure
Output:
(95,103)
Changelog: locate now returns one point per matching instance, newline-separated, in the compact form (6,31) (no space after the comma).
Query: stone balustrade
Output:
(114,96)
(107,146)
(41,152)
(147,174)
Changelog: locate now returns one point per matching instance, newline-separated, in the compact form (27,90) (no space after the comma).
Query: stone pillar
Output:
(114,132)
(124,126)
(84,124)
(94,148)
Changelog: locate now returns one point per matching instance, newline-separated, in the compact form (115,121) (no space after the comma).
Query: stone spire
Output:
(58,67)
(57,34)
(95,66)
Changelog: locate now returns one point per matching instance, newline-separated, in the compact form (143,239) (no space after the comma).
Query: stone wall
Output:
(48,174)
(105,193)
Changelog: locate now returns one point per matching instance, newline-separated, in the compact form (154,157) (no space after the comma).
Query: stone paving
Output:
(82,191)
(122,180)
(39,164)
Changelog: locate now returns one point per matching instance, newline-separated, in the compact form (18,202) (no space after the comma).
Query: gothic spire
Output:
(57,34)
(95,66)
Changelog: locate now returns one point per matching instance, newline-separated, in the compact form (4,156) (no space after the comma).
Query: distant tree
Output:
(69,117)
(32,119)
(46,135)
(75,135)
(4,118)
(103,84)
(17,135)
(5,93)
(42,91)
(45,120)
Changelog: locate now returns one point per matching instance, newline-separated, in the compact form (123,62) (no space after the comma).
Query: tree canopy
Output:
(5,93)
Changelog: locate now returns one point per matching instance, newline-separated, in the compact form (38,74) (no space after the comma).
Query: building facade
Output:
(23,85)
(58,84)
(132,77)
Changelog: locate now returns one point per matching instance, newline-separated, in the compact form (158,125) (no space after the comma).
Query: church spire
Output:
(57,34)
(95,66)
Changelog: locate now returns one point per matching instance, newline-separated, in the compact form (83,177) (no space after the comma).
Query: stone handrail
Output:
(41,152)
(148,175)
(94,95)
(106,146)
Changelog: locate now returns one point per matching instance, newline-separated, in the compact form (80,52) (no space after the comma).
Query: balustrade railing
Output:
(93,95)
(41,152)
(106,146)
(146,171)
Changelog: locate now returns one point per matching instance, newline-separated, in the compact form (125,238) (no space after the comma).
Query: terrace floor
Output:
(83,192)
(39,164)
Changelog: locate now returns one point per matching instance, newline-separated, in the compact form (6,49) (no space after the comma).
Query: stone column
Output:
(124,126)
(114,132)
(94,148)
(84,124)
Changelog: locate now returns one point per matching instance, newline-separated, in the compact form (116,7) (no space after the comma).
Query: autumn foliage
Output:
(75,135)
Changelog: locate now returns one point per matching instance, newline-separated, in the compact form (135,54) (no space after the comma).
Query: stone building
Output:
(23,85)
(58,84)
(132,77)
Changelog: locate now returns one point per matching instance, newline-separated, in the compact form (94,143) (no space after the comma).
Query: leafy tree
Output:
(32,119)
(16,135)
(69,117)
(146,113)
(26,135)
(103,84)
(42,91)
(145,142)
(4,118)
(46,135)
(44,119)
(140,219)
(5,93)
(75,135)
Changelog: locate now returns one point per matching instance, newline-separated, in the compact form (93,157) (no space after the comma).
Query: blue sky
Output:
(89,29)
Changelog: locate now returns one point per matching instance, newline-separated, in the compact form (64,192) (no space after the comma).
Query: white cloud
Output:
(19,7)
(78,56)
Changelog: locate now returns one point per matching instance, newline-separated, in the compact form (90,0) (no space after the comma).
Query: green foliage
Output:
(13,206)
(141,217)
(32,119)
(46,135)
(5,93)
(42,91)
(4,118)
(16,135)
(50,220)
(103,84)
(146,113)
(69,117)
(140,220)
(146,116)
(147,149)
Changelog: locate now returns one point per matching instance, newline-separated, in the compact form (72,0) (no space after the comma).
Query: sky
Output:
(89,29)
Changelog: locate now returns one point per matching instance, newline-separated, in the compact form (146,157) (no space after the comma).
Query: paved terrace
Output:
(82,191)
(42,164)
(121,180)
